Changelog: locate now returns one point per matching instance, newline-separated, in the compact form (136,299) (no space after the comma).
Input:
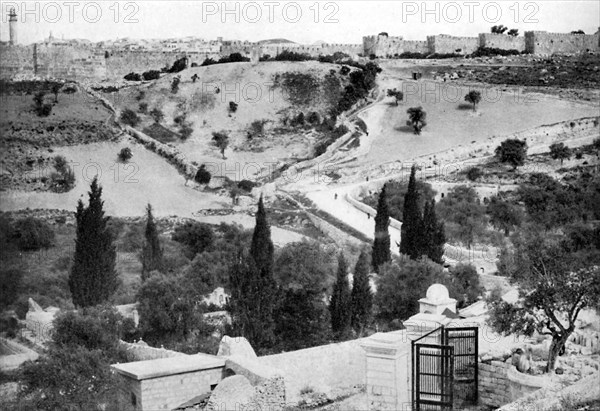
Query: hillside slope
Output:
(269,94)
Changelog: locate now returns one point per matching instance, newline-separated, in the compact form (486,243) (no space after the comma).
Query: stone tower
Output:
(12,26)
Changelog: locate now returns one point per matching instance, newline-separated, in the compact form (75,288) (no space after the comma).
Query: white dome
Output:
(437,293)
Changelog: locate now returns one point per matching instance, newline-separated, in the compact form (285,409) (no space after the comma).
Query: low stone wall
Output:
(493,384)
(169,153)
(268,382)
(370,210)
(143,352)
(14,361)
(322,368)
(500,383)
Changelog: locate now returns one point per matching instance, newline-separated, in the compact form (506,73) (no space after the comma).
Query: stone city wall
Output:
(442,44)
(16,61)
(502,41)
(544,43)
(383,46)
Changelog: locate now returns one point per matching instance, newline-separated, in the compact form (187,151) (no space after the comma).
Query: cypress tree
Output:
(361,295)
(254,292)
(410,241)
(93,277)
(152,253)
(381,245)
(433,234)
(341,304)
(261,248)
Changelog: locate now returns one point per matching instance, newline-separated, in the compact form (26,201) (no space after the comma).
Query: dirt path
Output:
(382,142)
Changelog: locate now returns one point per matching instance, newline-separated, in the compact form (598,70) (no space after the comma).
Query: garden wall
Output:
(500,383)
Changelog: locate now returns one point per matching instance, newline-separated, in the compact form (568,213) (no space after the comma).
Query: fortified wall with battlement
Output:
(533,42)
(542,42)
(80,62)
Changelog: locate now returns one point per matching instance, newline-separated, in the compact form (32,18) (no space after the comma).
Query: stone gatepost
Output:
(388,371)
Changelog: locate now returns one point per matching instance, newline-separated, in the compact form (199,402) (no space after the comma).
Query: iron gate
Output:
(445,369)
(432,383)
(465,343)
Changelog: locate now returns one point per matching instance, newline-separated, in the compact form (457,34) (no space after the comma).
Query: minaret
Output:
(12,26)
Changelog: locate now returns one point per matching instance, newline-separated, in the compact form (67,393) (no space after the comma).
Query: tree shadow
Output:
(405,129)
(464,107)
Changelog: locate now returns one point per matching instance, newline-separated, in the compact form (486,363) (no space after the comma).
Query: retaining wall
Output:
(500,383)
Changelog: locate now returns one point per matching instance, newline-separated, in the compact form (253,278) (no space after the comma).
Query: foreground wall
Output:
(321,368)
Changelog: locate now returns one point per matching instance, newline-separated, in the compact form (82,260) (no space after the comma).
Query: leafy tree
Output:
(55,90)
(203,176)
(157,115)
(125,154)
(175,84)
(195,235)
(133,77)
(463,283)
(399,282)
(512,151)
(416,118)
(463,213)
(341,303)
(473,97)
(10,285)
(151,75)
(42,109)
(559,151)
(504,215)
(63,179)
(303,265)
(143,108)
(381,244)
(549,203)
(75,370)
(32,234)
(220,140)
(179,65)
(554,284)
(500,29)
(93,277)
(474,173)
(152,253)
(301,320)
(303,272)
(234,194)
(166,310)
(433,234)
(129,117)
(513,32)
(578,32)
(233,106)
(410,240)
(361,296)
(397,94)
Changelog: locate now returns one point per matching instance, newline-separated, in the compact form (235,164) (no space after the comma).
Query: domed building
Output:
(437,300)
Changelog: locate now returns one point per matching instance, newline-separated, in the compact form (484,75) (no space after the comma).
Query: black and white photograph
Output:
(300,205)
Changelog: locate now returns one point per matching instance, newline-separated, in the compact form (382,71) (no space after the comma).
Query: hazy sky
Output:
(300,21)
